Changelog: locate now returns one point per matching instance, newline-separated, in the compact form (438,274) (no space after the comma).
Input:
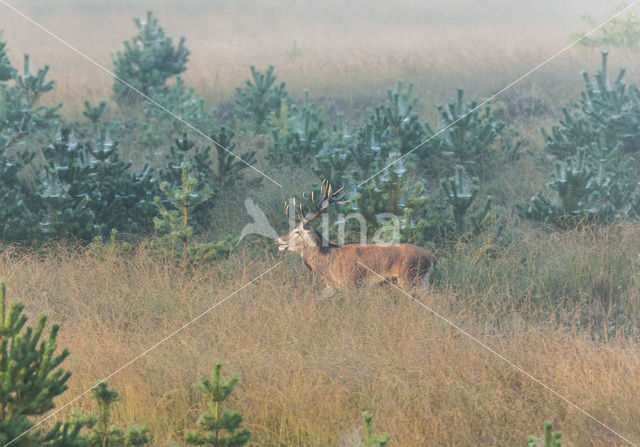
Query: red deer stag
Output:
(353,265)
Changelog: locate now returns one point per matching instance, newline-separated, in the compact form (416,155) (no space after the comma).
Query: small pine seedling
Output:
(550,440)
(371,440)
(217,427)
(101,432)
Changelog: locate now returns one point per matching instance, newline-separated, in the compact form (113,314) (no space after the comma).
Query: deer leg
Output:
(416,286)
(424,286)
(410,286)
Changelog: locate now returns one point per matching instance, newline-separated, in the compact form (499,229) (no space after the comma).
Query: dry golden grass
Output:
(310,367)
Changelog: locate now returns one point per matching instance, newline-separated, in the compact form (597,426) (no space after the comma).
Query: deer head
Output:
(303,235)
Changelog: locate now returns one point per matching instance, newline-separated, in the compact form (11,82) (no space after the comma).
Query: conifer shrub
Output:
(607,113)
(183,102)
(258,99)
(66,189)
(32,377)
(395,156)
(6,70)
(18,213)
(218,427)
(470,137)
(21,118)
(549,439)
(335,161)
(79,186)
(392,127)
(99,431)
(211,176)
(296,133)
(147,61)
(94,113)
(396,126)
(423,215)
(461,192)
(596,142)
(175,222)
(394,192)
(87,188)
(229,170)
(370,439)
(122,198)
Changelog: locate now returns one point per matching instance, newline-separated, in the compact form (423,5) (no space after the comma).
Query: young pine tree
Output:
(461,193)
(148,60)
(258,99)
(371,440)
(100,432)
(66,189)
(6,70)
(470,136)
(176,223)
(549,440)
(218,427)
(31,377)
(20,114)
(120,198)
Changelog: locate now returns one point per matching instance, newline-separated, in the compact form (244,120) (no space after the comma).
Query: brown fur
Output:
(348,266)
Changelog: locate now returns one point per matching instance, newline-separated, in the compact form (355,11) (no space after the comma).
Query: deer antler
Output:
(296,207)
(327,197)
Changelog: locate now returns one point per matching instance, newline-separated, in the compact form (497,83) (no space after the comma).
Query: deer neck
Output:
(317,258)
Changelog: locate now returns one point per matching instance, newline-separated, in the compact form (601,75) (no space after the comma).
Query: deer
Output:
(353,265)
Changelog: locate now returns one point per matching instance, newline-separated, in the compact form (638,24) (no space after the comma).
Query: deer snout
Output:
(282,245)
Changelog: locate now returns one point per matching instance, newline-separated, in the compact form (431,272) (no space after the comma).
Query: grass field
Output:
(562,305)
(310,367)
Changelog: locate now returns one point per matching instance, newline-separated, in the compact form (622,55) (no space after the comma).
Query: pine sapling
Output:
(6,70)
(460,194)
(19,113)
(148,60)
(94,113)
(370,439)
(217,427)
(229,169)
(175,223)
(550,439)
(468,133)
(31,379)
(33,84)
(406,130)
(334,161)
(258,99)
(101,432)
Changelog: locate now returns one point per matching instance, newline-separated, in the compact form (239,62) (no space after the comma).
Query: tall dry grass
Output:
(310,367)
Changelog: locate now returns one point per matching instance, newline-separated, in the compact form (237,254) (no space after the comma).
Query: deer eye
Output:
(296,231)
